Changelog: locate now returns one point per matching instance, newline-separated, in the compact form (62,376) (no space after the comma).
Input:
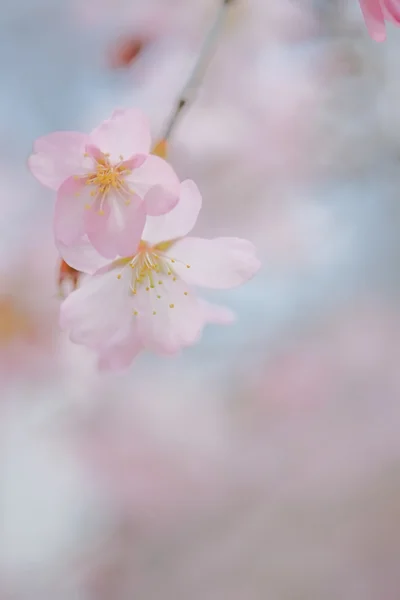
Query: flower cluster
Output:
(122,217)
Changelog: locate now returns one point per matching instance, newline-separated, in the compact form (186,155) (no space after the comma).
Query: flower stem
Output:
(193,83)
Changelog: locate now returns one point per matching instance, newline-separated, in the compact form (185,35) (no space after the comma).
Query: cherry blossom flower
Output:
(107,182)
(147,301)
(376,12)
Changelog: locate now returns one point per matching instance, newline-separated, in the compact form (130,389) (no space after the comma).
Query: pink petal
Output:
(215,314)
(220,263)
(57,156)
(154,171)
(98,310)
(178,321)
(121,351)
(69,211)
(159,201)
(125,134)
(82,256)
(180,221)
(392,10)
(374,19)
(119,230)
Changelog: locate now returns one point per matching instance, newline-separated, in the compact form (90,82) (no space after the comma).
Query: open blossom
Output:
(106,182)
(147,301)
(376,12)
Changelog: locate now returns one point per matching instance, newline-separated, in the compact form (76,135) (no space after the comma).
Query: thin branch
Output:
(193,83)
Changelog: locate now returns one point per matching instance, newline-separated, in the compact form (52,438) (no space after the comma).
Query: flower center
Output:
(105,177)
(146,264)
(108,177)
(148,267)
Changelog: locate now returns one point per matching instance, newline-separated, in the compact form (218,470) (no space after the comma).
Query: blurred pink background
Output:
(261,463)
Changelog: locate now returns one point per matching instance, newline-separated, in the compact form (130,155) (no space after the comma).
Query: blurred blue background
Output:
(264,461)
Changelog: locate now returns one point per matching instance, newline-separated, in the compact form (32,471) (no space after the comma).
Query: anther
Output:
(160,282)
(88,206)
(101,213)
(174,279)
(188,266)
(158,297)
(135,312)
(154,312)
(119,276)
(172,305)
(185,293)
(147,289)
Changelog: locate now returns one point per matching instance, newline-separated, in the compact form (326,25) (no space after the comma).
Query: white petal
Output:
(98,309)
(220,263)
(153,171)
(122,349)
(216,314)
(58,156)
(180,221)
(82,256)
(178,321)
(126,134)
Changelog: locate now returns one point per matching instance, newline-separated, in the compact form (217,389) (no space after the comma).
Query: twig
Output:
(199,68)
